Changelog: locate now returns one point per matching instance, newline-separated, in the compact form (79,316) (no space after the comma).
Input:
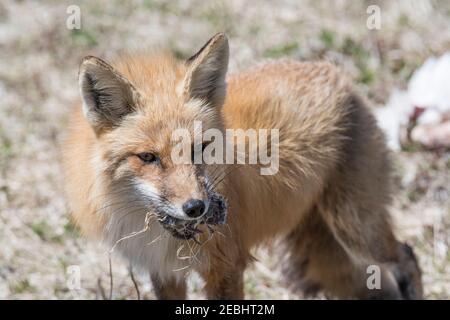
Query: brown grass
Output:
(39,59)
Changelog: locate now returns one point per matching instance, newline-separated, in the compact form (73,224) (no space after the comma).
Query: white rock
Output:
(428,89)
(393,116)
(429,86)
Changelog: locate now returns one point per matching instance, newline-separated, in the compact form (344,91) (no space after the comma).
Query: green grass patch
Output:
(361,57)
(45,232)
(328,38)
(281,50)
(22,286)
(83,37)
(71,229)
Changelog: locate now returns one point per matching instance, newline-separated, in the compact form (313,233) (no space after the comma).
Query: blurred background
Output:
(387,46)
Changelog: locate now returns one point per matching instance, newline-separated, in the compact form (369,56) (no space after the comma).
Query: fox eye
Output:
(147,157)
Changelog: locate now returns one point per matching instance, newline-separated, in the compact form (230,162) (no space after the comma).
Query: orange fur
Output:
(328,199)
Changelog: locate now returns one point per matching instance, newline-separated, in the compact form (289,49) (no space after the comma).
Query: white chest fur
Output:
(152,250)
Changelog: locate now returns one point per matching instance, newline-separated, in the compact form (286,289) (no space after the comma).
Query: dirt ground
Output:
(39,58)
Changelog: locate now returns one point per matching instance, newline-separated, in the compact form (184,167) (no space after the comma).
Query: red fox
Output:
(327,200)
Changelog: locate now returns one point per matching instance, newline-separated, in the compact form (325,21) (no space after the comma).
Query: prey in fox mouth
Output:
(216,214)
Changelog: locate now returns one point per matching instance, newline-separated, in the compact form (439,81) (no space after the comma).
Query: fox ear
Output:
(207,69)
(106,95)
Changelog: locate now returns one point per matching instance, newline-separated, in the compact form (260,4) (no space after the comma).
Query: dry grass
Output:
(39,58)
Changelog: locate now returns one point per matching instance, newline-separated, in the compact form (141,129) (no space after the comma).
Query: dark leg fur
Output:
(169,290)
(350,227)
(318,263)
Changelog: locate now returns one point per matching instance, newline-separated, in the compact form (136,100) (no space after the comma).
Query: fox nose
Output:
(194,208)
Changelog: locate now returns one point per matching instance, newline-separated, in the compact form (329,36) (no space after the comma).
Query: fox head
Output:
(134,107)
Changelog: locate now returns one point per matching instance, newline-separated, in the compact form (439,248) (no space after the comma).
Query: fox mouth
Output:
(188,229)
